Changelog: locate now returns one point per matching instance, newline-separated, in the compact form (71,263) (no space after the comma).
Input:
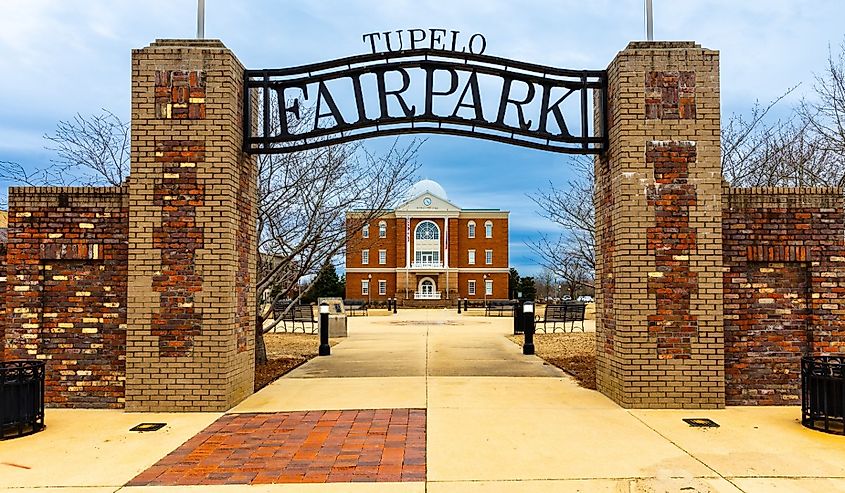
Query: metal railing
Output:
(427,296)
(21,398)
(427,265)
(823,393)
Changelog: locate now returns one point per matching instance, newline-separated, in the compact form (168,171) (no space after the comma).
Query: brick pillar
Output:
(658,222)
(191,293)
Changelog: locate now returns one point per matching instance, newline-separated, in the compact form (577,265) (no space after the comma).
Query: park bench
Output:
(302,315)
(563,314)
(499,308)
(279,308)
(355,307)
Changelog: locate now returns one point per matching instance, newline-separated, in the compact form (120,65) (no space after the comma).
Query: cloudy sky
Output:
(60,57)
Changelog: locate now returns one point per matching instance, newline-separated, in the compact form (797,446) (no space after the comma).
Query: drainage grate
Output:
(701,422)
(148,427)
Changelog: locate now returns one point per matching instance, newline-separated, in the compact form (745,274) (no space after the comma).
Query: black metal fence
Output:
(21,398)
(823,393)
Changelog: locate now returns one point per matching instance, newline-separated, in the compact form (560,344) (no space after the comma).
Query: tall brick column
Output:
(191,290)
(659,235)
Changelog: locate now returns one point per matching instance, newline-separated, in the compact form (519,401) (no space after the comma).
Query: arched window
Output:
(382,229)
(471,228)
(365,231)
(427,230)
(488,229)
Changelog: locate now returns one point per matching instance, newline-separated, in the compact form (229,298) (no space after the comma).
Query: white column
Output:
(407,242)
(446,242)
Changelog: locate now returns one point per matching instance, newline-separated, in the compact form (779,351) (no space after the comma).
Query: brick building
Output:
(428,251)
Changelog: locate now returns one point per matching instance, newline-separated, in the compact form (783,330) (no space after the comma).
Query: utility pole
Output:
(649,21)
(201,19)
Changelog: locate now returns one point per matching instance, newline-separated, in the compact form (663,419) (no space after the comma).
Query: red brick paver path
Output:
(298,447)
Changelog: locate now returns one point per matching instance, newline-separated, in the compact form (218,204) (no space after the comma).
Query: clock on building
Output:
(427,201)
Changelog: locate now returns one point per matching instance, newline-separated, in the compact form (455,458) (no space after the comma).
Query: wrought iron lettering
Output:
(427,90)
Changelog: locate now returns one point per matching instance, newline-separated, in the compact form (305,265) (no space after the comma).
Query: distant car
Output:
(585,299)
(567,298)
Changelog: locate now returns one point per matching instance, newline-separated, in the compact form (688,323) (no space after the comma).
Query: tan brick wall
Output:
(659,92)
(188,172)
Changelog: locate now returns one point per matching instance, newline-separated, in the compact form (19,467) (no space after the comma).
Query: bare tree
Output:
(302,206)
(571,210)
(824,116)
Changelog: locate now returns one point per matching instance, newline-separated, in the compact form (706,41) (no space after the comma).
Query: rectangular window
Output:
(365,231)
(382,257)
(471,259)
(365,287)
(488,257)
(365,257)
(472,287)
(382,287)
(488,287)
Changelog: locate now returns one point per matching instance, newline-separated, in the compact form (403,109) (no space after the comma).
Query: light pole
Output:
(485,289)
(369,289)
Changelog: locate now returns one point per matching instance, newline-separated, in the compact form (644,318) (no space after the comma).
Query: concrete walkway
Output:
(495,421)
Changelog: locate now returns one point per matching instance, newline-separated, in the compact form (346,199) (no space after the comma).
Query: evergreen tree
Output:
(527,287)
(326,285)
(513,283)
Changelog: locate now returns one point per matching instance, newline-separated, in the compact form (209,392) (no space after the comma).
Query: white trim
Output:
(485,270)
(365,231)
(471,227)
(382,257)
(471,256)
(384,229)
(488,229)
(488,287)
(488,257)
(365,287)
(382,282)
(471,287)
(365,256)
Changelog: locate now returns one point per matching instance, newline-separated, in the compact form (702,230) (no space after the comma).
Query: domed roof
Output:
(424,186)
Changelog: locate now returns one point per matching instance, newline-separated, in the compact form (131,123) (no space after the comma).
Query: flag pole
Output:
(200,19)
(649,21)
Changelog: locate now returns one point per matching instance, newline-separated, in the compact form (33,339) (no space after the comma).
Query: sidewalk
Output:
(428,394)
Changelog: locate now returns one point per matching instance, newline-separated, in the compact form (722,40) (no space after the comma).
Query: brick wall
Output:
(191,289)
(659,334)
(784,282)
(66,297)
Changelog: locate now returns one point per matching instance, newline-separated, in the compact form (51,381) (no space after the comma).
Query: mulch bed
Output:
(273,369)
(582,367)
(572,352)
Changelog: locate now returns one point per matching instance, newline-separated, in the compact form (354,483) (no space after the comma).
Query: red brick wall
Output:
(671,240)
(353,286)
(783,286)
(356,243)
(66,294)
(500,285)
(498,243)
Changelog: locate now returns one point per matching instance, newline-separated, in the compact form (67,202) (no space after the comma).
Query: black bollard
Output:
(517,318)
(325,349)
(459,305)
(466,304)
(395,302)
(528,327)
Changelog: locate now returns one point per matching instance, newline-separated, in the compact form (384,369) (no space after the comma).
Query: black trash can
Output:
(21,398)
(823,393)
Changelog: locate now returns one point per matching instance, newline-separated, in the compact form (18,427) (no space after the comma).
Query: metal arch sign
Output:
(433,89)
